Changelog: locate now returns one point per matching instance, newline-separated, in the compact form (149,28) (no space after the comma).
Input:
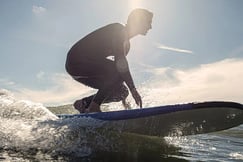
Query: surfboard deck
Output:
(170,120)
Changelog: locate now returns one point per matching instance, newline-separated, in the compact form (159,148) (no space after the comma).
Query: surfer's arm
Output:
(123,68)
(119,49)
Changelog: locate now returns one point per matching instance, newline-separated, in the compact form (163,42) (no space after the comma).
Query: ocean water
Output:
(30,132)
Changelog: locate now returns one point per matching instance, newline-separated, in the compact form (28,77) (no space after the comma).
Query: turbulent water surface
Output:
(30,132)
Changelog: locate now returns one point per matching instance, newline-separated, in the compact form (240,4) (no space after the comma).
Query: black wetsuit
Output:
(87,63)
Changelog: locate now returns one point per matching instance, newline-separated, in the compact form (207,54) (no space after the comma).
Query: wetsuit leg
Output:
(118,93)
(114,93)
(101,75)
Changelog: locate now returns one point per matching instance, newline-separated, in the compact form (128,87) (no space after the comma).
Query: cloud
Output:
(38,10)
(40,75)
(161,46)
(64,90)
(6,82)
(209,82)
(216,81)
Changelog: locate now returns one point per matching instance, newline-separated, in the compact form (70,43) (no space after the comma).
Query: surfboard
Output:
(170,120)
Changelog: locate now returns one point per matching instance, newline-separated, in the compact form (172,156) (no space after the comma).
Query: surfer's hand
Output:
(137,97)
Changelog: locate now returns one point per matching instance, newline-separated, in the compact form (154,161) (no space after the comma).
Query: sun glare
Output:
(136,4)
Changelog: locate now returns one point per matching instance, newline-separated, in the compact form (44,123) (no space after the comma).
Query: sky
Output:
(194,51)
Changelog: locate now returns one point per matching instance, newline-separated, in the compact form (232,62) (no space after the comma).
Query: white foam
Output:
(13,108)
(236,155)
(26,125)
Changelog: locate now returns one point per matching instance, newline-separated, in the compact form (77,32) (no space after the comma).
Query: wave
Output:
(28,127)
(25,125)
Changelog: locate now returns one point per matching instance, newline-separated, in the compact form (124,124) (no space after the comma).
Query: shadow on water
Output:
(123,147)
(108,145)
(133,147)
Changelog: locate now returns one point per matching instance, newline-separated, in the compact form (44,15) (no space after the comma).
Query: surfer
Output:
(89,62)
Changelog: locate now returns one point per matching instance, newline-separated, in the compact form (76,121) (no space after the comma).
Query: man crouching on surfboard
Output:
(87,62)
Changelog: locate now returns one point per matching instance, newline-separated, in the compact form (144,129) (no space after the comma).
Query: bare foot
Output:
(80,105)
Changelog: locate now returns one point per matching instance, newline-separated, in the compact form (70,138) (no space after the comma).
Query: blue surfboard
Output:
(170,120)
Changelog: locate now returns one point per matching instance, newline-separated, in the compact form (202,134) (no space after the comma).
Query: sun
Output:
(136,4)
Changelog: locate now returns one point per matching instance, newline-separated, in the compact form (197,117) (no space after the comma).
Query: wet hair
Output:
(138,15)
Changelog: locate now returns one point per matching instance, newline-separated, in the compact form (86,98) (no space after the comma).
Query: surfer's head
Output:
(140,21)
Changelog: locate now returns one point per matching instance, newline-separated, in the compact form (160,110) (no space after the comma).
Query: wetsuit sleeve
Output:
(122,64)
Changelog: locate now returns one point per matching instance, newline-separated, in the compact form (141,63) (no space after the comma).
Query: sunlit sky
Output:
(193,52)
